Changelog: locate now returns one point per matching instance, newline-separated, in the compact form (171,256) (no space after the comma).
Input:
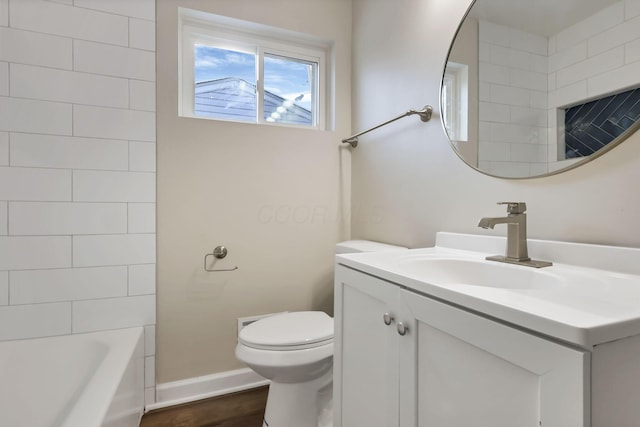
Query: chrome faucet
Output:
(516,221)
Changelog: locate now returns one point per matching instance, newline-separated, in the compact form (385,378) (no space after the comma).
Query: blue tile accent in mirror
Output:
(591,126)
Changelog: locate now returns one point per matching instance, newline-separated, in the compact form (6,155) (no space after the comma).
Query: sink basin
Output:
(590,296)
(478,272)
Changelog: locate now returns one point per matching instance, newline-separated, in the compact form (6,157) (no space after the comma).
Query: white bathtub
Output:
(85,380)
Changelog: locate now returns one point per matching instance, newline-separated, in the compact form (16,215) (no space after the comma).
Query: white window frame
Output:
(196,27)
(456,104)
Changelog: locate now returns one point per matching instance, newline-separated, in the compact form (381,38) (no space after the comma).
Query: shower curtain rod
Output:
(425,116)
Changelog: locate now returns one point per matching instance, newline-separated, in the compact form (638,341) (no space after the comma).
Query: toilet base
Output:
(307,404)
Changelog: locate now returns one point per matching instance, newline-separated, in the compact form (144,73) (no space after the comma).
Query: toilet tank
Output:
(353,246)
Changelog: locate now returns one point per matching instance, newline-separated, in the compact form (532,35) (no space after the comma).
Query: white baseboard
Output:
(189,390)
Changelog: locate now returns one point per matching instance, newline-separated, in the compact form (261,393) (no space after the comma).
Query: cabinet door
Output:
(472,371)
(366,351)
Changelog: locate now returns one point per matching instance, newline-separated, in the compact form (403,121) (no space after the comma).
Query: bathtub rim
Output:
(124,346)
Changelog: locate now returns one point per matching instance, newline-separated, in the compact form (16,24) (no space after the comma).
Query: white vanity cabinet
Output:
(436,365)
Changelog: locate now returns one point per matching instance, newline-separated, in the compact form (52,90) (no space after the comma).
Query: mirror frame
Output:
(611,145)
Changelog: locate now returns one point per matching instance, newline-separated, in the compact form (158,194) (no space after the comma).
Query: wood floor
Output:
(243,409)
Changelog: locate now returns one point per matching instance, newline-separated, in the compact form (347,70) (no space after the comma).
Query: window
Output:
(245,72)
(455,100)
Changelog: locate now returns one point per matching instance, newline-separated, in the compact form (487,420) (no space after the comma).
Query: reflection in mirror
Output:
(535,88)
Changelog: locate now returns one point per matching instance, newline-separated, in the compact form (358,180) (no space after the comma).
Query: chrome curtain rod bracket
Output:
(424,113)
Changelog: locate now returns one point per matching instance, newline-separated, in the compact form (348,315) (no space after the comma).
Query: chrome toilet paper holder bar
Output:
(219,252)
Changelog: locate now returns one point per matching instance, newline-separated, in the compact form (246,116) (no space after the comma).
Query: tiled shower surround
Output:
(520,73)
(77,169)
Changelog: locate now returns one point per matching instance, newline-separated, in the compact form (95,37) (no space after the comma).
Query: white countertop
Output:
(597,299)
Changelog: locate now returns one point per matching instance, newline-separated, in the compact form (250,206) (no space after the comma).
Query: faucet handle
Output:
(515,207)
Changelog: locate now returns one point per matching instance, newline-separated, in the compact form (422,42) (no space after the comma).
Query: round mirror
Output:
(533,88)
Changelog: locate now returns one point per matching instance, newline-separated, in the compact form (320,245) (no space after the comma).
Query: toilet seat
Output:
(289,331)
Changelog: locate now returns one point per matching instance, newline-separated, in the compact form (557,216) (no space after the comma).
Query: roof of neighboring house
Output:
(235,99)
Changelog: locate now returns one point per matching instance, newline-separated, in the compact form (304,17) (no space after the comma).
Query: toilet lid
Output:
(303,329)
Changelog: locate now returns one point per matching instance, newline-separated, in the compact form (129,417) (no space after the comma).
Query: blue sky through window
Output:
(288,78)
(212,63)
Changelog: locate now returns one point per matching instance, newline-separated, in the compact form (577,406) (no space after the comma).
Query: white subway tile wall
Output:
(78,23)
(4,287)
(113,186)
(142,218)
(34,252)
(614,37)
(77,169)
(65,218)
(28,81)
(526,78)
(3,219)
(35,320)
(4,13)
(592,66)
(142,95)
(26,47)
(143,9)
(631,8)
(113,313)
(113,249)
(595,24)
(632,51)
(67,284)
(4,148)
(34,116)
(514,78)
(142,279)
(142,156)
(149,371)
(574,55)
(36,184)
(149,340)
(113,60)
(68,152)
(102,122)
(142,34)
(4,79)
(622,77)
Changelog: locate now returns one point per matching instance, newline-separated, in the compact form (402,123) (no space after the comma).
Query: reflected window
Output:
(455,101)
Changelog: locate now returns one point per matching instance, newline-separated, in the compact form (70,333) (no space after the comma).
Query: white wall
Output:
(408,183)
(77,169)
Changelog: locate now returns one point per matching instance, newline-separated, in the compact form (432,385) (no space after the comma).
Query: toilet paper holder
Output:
(219,252)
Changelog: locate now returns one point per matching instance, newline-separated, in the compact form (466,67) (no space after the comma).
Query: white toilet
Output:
(295,351)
